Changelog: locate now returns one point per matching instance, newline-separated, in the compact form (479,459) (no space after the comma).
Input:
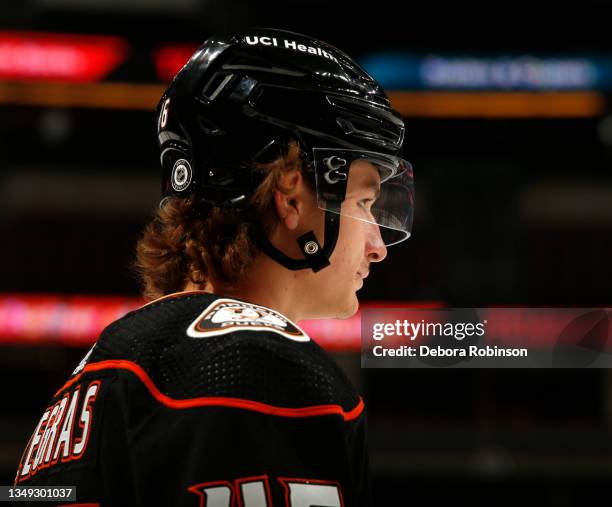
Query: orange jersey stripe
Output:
(256,406)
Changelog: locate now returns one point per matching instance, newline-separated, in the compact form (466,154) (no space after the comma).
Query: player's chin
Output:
(349,308)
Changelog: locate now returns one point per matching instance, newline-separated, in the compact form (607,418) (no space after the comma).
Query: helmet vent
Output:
(372,130)
(216,85)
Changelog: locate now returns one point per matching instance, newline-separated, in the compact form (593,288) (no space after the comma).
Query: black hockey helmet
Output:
(240,99)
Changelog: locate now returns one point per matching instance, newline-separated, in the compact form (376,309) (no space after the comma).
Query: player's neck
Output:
(268,284)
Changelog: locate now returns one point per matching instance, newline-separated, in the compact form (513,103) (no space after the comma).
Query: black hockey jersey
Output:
(200,400)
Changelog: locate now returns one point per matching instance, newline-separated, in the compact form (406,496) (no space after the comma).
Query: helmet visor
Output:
(368,186)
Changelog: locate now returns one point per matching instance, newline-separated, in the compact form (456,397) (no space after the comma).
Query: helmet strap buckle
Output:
(313,252)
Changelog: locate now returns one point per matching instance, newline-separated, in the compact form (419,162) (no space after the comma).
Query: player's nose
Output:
(376,251)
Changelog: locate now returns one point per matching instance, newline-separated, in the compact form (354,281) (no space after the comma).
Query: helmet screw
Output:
(311,247)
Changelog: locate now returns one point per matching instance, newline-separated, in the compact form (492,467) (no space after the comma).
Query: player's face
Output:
(359,244)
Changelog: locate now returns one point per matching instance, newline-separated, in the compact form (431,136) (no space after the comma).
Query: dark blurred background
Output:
(509,129)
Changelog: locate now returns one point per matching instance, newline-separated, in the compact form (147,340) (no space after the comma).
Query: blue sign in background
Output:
(406,71)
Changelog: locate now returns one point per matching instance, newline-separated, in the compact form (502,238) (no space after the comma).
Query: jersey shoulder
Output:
(205,345)
(194,372)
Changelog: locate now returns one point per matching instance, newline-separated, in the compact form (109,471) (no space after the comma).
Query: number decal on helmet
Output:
(163,117)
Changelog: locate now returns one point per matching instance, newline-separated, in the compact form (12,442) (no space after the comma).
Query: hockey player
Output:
(282,184)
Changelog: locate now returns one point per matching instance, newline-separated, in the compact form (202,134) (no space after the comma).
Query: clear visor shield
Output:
(372,187)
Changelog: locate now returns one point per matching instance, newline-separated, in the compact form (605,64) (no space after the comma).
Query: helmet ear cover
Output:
(178,173)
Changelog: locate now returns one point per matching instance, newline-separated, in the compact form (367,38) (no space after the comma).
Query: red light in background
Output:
(170,59)
(59,320)
(74,58)
(55,319)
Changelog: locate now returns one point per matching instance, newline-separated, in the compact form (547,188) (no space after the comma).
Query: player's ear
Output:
(289,198)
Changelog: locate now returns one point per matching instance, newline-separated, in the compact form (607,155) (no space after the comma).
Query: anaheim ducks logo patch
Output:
(228,315)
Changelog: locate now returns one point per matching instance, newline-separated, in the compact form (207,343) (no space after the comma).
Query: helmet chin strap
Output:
(316,257)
